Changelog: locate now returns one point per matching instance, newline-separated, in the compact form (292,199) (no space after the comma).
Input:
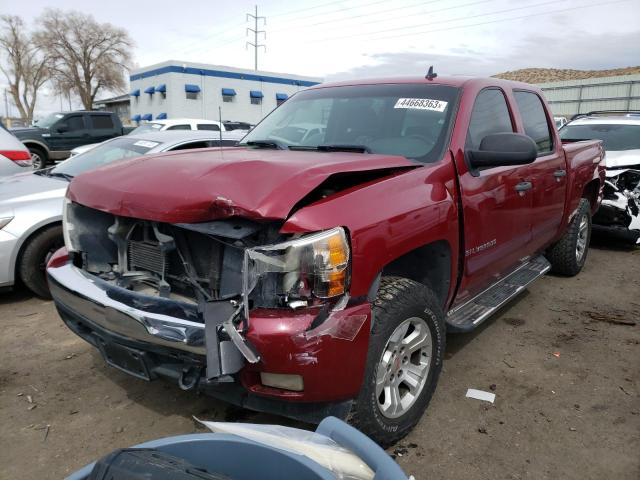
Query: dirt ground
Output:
(567,385)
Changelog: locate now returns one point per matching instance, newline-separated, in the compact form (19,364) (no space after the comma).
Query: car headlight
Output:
(68,226)
(301,272)
(5,221)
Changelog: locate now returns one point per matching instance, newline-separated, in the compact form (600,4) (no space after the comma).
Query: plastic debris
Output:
(481,395)
(556,354)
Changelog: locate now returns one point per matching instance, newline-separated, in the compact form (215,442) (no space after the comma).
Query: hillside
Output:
(542,75)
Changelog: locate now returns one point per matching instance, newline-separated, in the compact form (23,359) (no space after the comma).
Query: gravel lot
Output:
(566,379)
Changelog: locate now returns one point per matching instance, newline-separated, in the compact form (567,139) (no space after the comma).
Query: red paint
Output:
(385,219)
(59,258)
(202,185)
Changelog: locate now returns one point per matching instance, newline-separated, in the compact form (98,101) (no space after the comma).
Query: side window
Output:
(180,127)
(490,115)
(101,121)
(534,120)
(189,146)
(74,123)
(208,126)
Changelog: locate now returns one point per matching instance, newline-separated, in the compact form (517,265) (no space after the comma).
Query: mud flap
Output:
(223,358)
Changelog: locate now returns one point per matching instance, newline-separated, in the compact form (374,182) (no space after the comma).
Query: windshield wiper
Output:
(267,144)
(65,176)
(344,148)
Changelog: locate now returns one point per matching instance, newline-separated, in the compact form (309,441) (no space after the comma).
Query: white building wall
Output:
(176,105)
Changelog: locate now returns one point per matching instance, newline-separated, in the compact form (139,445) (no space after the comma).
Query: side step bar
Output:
(469,315)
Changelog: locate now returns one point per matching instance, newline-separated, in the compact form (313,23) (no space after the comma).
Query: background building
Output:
(175,89)
(118,105)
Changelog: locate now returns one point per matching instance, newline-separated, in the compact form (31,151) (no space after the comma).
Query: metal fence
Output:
(569,97)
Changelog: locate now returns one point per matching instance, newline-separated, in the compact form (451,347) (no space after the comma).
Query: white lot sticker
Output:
(421,104)
(145,144)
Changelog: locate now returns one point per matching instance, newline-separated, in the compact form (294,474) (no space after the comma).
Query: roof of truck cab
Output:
(453,81)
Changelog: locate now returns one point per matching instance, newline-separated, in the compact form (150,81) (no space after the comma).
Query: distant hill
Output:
(543,75)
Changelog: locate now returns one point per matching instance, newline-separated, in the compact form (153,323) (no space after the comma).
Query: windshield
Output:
(49,120)
(147,127)
(615,136)
(394,119)
(105,153)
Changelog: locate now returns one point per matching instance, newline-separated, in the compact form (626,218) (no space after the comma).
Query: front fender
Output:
(388,218)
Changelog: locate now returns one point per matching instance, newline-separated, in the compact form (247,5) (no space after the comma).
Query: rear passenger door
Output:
(101,127)
(548,173)
(496,208)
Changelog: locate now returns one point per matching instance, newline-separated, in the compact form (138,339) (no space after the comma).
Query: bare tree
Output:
(87,56)
(24,63)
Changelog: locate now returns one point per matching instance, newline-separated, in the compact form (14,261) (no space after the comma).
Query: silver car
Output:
(14,156)
(31,202)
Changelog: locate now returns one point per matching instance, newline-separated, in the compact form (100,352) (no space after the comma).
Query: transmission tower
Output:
(256,33)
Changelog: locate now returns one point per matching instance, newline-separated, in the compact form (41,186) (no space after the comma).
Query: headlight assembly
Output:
(68,226)
(300,272)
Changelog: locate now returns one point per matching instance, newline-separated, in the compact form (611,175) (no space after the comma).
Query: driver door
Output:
(496,202)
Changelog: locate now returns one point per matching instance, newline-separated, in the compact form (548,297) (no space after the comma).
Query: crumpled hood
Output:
(622,159)
(197,186)
(29,187)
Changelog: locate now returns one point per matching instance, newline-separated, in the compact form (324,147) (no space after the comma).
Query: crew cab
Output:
(318,274)
(54,136)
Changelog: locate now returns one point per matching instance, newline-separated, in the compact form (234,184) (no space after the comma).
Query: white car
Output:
(619,212)
(560,121)
(14,156)
(183,124)
(31,203)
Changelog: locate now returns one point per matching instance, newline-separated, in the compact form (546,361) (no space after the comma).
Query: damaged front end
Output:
(161,299)
(619,212)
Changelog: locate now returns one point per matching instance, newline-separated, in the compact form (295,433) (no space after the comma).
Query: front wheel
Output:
(34,258)
(569,254)
(405,356)
(38,158)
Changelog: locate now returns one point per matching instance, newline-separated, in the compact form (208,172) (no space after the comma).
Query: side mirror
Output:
(62,127)
(503,149)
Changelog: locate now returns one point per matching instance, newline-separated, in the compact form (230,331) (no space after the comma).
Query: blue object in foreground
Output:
(227,454)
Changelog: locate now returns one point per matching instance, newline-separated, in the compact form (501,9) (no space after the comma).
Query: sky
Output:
(345,39)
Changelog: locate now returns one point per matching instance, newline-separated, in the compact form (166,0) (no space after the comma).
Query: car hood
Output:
(621,159)
(206,185)
(28,131)
(28,187)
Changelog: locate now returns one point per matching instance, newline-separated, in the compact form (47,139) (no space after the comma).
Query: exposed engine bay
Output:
(620,208)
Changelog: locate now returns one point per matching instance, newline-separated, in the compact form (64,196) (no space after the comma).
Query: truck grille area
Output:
(188,262)
(147,256)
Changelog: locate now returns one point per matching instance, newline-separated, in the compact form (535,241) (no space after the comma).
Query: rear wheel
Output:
(404,360)
(569,254)
(36,254)
(38,158)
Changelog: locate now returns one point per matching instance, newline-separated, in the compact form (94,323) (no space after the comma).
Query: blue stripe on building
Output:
(222,74)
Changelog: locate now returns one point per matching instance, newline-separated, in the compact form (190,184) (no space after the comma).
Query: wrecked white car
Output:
(619,212)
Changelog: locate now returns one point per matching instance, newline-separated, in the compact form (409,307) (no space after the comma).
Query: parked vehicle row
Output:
(316,269)
(31,203)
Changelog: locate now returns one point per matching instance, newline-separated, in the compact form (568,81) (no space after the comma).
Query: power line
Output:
(387,19)
(340,10)
(474,24)
(291,12)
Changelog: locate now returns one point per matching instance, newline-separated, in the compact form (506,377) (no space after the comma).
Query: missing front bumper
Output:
(153,320)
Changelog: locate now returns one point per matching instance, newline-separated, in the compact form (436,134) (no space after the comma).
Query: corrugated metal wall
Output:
(569,97)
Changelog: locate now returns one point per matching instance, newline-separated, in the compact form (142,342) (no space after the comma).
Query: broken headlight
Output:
(297,273)
(68,226)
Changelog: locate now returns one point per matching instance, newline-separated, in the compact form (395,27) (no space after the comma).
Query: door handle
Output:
(523,187)
(559,174)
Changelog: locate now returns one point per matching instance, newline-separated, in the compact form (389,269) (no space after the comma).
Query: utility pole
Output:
(6,104)
(256,32)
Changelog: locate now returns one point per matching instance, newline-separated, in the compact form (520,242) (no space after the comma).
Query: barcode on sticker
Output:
(421,104)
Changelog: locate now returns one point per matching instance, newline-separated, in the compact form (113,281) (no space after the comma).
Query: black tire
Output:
(563,255)
(35,255)
(398,300)
(39,157)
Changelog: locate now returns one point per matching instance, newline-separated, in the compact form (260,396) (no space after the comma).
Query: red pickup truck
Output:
(316,269)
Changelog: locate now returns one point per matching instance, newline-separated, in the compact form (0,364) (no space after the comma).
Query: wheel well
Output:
(38,146)
(27,241)
(590,192)
(429,265)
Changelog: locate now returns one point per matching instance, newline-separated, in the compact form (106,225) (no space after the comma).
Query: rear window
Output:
(180,127)
(534,120)
(102,121)
(615,137)
(208,126)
